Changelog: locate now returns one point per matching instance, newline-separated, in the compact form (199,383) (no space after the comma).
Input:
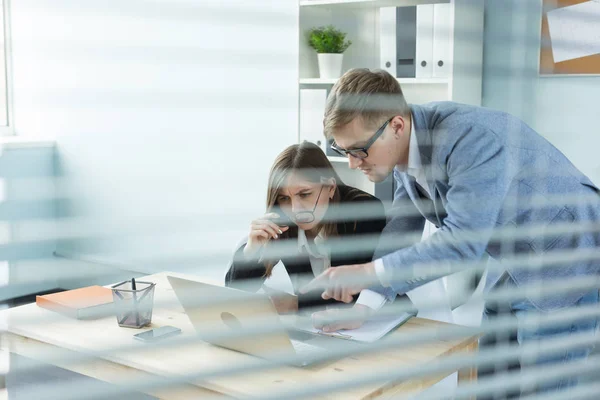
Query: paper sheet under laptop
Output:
(370,331)
(575,31)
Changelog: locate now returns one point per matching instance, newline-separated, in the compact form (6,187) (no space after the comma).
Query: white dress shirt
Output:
(415,167)
(416,170)
(319,256)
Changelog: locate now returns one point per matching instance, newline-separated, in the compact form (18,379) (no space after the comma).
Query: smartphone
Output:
(157,333)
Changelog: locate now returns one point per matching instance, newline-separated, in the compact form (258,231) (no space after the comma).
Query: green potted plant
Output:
(330,44)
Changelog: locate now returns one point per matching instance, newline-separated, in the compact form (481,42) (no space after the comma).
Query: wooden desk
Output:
(28,337)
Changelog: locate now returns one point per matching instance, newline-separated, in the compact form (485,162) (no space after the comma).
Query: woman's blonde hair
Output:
(308,160)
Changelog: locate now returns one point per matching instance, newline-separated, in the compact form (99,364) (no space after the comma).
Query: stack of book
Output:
(86,303)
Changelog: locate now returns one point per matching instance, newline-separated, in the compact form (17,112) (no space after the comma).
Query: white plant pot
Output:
(330,65)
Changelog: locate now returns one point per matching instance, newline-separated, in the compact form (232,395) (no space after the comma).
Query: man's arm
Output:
(480,173)
(479,176)
(406,221)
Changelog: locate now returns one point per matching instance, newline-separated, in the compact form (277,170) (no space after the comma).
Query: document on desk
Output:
(373,329)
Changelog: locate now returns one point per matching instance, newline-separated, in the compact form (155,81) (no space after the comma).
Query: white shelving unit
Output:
(402,81)
(337,159)
(366,3)
(460,40)
(317,81)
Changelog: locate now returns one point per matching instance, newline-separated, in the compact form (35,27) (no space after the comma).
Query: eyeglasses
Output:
(306,217)
(361,153)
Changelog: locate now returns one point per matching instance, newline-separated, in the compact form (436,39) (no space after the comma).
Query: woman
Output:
(305,189)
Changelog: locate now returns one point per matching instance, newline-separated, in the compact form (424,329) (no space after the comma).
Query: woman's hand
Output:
(261,231)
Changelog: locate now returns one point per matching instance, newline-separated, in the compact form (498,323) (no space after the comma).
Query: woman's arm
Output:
(247,270)
(245,273)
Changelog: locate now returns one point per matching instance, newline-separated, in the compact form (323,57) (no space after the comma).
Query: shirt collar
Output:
(414,156)
(318,250)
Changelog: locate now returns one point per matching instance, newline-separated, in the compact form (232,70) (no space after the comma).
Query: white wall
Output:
(167,116)
(562,109)
(178,107)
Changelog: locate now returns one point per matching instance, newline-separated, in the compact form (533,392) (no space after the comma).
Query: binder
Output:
(415,41)
(397,40)
(424,41)
(312,109)
(441,40)
(406,41)
(387,39)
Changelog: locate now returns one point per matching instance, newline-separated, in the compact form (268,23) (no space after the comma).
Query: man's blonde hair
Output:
(373,96)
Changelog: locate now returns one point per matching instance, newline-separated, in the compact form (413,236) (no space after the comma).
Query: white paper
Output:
(370,331)
(575,31)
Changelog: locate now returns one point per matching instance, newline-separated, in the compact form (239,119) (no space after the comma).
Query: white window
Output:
(6,123)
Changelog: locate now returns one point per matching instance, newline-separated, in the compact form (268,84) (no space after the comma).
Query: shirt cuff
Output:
(383,277)
(371,299)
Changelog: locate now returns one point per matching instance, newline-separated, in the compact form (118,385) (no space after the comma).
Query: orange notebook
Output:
(85,303)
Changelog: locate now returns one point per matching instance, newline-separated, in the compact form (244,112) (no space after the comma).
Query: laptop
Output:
(232,311)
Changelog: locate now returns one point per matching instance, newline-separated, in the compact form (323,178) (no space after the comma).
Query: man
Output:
(474,173)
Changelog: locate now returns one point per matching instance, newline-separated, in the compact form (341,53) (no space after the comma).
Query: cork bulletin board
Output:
(570,40)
